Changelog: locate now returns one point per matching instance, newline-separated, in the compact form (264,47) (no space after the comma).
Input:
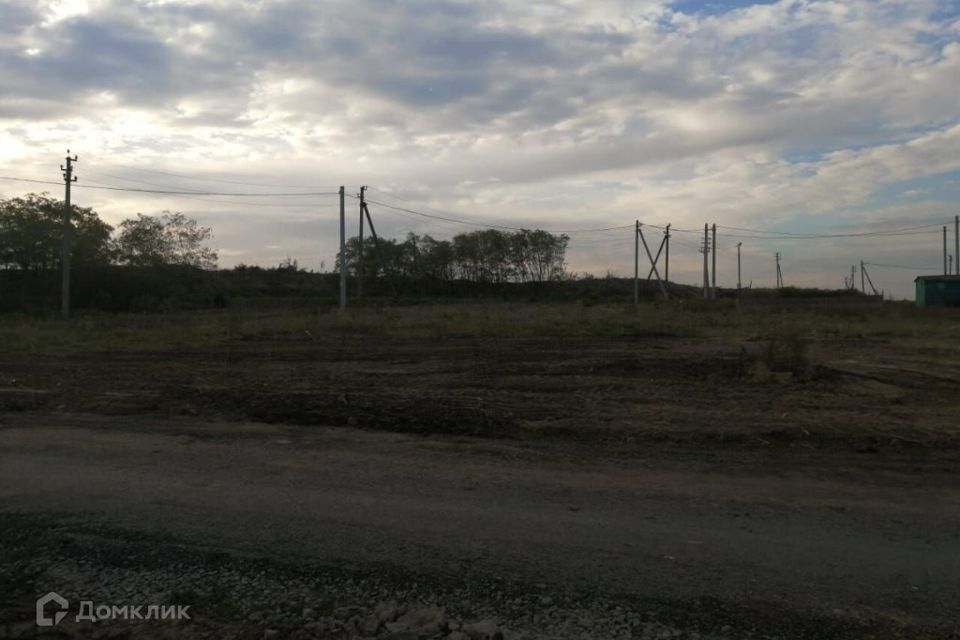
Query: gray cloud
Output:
(537,105)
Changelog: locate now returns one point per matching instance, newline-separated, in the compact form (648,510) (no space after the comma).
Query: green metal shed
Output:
(938,291)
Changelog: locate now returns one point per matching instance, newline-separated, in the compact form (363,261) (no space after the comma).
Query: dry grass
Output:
(604,372)
(787,331)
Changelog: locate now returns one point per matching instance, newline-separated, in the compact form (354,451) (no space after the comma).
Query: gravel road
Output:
(541,541)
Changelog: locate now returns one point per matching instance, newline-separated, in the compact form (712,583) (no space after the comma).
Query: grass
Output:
(103,332)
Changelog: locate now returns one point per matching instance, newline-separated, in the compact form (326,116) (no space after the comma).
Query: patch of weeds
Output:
(784,354)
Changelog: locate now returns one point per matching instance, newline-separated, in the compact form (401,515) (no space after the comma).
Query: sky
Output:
(792,117)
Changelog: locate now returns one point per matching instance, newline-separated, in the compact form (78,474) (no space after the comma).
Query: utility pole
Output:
(656,258)
(666,268)
(65,249)
(636,263)
(706,250)
(376,247)
(946,271)
(779,274)
(343,250)
(360,249)
(863,286)
(713,267)
(738,265)
(653,263)
(956,244)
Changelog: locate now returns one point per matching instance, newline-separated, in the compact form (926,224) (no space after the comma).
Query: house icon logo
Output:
(59,602)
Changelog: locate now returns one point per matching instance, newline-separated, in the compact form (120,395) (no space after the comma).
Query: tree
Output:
(489,255)
(31,234)
(171,238)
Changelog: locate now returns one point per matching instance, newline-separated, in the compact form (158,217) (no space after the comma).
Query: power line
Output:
(762,234)
(829,236)
(212,193)
(29,180)
(446,216)
(757,234)
(222,180)
(179,193)
(312,206)
(486,225)
(786,235)
(900,266)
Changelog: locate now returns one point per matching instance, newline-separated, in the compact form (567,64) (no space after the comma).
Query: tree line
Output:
(31,236)
(490,255)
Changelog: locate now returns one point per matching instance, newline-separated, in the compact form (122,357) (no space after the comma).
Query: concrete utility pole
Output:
(360,250)
(713,267)
(343,250)
(946,271)
(636,263)
(738,265)
(956,244)
(67,241)
(706,268)
(666,267)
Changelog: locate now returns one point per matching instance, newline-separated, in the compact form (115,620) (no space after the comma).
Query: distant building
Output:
(938,291)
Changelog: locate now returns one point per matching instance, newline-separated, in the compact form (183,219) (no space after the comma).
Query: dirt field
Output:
(810,457)
(740,379)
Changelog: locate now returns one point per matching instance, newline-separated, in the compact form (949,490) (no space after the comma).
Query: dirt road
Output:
(799,546)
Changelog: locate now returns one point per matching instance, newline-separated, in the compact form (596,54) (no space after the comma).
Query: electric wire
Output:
(177,192)
(221,180)
(488,225)
(900,266)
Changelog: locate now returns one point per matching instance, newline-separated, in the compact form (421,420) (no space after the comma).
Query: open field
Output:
(565,471)
(864,379)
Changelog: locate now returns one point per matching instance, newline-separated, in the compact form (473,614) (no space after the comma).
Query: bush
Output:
(785,350)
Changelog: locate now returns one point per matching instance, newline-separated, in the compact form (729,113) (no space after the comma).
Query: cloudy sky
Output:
(793,117)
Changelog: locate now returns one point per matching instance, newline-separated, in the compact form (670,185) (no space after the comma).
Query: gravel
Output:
(236,596)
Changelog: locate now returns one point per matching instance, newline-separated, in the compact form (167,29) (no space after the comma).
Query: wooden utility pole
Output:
(779,273)
(946,270)
(656,258)
(376,247)
(706,272)
(713,266)
(67,240)
(738,265)
(360,249)
(869,281)
(343,250)
(863,286)
(636,263)
(653,263)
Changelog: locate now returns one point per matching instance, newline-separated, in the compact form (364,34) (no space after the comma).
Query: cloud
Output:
(558,111)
